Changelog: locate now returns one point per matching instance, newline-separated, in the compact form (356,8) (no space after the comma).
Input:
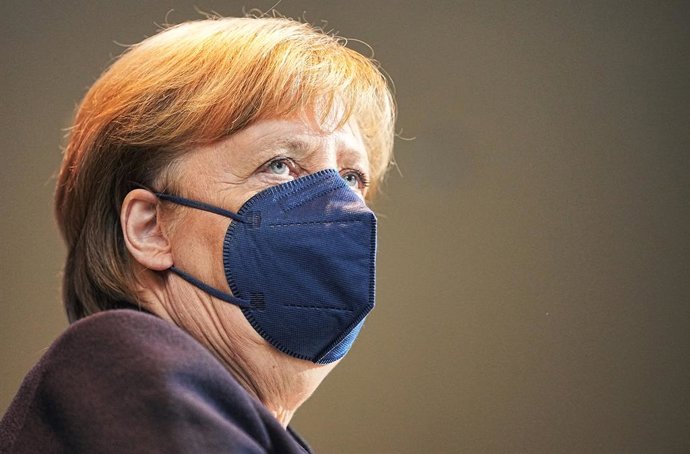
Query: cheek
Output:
(197,247)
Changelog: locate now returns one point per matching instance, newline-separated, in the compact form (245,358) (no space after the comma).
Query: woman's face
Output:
(227,174)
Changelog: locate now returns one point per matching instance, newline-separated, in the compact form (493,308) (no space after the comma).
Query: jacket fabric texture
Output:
(124,381)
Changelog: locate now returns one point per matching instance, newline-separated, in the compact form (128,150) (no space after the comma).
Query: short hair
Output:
(189,85)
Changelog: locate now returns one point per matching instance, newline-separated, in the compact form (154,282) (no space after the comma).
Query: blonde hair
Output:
(190,85)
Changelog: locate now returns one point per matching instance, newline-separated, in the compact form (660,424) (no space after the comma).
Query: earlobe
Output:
(142,230)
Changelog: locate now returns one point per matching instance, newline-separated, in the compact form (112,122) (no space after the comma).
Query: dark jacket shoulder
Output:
(127,381)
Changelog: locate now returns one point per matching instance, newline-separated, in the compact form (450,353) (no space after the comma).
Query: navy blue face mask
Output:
(299,259)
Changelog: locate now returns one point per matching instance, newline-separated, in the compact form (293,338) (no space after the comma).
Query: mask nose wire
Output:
(188,277)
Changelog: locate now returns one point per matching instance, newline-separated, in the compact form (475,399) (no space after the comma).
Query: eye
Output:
(351,179)
(355,179)
(279,166)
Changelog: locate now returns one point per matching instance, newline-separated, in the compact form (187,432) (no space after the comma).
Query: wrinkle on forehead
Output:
(237,157)
(298,135)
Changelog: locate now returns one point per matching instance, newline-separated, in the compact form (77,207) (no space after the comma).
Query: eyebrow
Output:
(292,145)
(296,144)
(302,147)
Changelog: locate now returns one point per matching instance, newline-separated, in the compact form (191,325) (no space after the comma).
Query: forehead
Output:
(300,138)
(304,134)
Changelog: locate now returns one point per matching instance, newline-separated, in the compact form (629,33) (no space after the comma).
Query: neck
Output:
(280,382)
(279,405)
(279,387)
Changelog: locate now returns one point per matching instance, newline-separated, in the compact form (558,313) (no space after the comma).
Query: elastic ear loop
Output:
(200,206)
(188,277)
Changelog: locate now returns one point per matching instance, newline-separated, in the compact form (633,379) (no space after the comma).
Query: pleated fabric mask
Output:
(300,261)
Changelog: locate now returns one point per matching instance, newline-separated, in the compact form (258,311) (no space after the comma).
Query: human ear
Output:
(142,230)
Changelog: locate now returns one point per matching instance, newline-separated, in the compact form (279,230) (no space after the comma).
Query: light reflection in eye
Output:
(279,167)
(351,179)
(355,179)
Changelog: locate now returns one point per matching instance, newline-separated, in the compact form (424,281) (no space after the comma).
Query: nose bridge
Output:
(327,155)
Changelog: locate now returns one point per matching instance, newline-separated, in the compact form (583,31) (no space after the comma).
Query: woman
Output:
(220,250)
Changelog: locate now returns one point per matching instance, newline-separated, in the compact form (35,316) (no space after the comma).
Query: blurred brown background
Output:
(534,251)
